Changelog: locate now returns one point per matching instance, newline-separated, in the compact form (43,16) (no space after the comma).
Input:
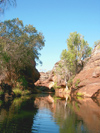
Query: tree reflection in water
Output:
(50,114)
(17,116)
(78,115)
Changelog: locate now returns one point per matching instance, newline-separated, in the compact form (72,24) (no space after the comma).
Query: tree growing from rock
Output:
(78,50)
(97,43)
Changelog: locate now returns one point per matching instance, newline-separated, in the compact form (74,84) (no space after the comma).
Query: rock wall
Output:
(49,78)
(31,75)
(87,82)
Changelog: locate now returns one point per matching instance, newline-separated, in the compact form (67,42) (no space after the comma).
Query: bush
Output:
(17,92)
(77,82)
(23,81)
(25,92)
(1,92)
(55,86)
(79,94)
(70,81)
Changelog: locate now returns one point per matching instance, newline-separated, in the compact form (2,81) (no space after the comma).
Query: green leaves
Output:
(97,43)
(78,50)
(19,47)
(27,35)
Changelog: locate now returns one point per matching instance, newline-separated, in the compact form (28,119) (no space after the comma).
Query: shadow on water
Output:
(50,113)
(17,115)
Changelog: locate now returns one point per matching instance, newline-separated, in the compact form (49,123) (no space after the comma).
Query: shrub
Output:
(1,92)
(55,86)
(25,92)
(17,92)
(23,81)
(70,81)
(79,94)
(77,82)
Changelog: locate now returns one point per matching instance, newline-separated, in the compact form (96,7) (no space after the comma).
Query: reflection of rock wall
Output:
(55,105)
(89,111)
(45,102)
(89,77)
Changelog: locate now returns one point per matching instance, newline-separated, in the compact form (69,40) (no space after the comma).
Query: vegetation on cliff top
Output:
(73,58)
(19,49)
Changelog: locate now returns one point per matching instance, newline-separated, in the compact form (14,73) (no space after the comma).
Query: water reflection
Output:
(50,113)
(17,117)
(64,116)
(89,111)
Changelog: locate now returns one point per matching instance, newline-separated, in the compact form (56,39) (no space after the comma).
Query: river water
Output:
(49,114)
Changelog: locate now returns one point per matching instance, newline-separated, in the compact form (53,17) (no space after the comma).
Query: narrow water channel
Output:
(49,114)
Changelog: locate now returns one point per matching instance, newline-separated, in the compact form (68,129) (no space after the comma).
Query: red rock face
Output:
(89,77)
(43,80)
(49,78)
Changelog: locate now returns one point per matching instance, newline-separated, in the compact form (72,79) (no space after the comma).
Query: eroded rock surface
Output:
(88,80)
(48,79)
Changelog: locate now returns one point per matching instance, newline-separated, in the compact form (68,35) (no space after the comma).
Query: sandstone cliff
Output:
(87,82)
(48,79)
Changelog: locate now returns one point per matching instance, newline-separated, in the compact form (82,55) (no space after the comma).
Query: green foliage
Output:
(55,86)
(23,81)
(78,50)
(19,48)
(56,98)
(1,92)
(77,82)
(79,94)
(97,43)
(79,98)
(76,105)
(19,44)
(70,81)
(25,36)
(17,92)
(25,92)
(60,70)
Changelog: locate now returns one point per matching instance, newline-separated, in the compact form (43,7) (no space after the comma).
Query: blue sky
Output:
(56,19)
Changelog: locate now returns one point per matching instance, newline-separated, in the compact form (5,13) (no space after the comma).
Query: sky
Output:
(56,19)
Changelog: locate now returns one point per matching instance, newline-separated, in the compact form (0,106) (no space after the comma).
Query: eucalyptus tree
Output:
(19,46)
(77,50)
(27,36)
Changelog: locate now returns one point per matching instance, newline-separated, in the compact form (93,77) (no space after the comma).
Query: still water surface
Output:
(49,114)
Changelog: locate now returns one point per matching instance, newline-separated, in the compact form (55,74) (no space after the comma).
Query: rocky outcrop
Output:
(87,82)
(43,80)
(56,76)
(48,79)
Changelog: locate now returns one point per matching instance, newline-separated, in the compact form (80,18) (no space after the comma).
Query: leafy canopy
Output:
(19,45)
(28,36)
(78,50)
